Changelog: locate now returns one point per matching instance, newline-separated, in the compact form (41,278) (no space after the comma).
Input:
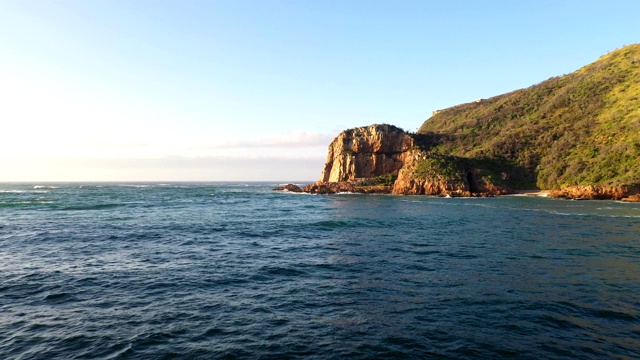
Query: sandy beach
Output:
(534,192)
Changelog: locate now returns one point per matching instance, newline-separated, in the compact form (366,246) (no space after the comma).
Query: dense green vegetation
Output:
(385,180)
(444,168)
(578,129)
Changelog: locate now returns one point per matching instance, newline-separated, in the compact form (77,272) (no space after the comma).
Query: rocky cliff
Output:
(385,159)
(366,152)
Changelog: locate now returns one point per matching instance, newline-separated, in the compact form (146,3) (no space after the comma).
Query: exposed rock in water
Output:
(362,186)
(595,192)
(323,187)
(289,187)
(632,198)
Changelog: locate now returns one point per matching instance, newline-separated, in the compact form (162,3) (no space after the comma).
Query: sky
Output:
(244,90)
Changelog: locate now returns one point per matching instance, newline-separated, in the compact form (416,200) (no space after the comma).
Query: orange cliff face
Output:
(366,152)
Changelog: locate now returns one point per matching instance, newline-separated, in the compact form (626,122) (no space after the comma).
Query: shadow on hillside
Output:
(430,140)
(503,172)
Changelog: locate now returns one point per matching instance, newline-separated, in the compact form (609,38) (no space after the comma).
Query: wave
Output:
(594,215)
(287,192)
(92,207)
(58,297)
(332,224)
(24,203)
(581,214)
(46,187)
(280,271)
(24,191)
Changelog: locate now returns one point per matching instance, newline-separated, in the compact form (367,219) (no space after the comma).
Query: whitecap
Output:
(24,191)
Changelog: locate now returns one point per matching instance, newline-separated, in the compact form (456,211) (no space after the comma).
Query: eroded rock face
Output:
(594,192)
(408,183)
(429,174)
(366,152)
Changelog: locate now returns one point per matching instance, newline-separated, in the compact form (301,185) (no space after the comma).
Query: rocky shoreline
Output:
(573,193)
(362,187)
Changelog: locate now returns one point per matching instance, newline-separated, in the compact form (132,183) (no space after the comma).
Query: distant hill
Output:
(577,129)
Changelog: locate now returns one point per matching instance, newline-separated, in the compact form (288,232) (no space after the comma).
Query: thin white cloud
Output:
(290,139)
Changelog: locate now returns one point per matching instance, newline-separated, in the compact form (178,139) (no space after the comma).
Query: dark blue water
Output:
(161,271)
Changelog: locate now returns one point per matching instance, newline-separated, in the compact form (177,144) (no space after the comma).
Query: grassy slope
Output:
(578,129)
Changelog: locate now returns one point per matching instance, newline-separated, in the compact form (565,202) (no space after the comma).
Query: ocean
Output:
(237,271)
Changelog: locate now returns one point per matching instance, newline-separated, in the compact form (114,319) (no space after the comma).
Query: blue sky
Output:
(256,90)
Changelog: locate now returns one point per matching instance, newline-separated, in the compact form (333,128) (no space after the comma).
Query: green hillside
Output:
(578,129)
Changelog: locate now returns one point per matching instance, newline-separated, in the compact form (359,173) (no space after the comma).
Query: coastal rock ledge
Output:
(598,192)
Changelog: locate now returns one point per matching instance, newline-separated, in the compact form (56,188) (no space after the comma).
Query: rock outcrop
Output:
(414,179)
(596,192)
(289,187)
(632,198)
(426,173)
(366,152)
(362,186)
(385,159)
